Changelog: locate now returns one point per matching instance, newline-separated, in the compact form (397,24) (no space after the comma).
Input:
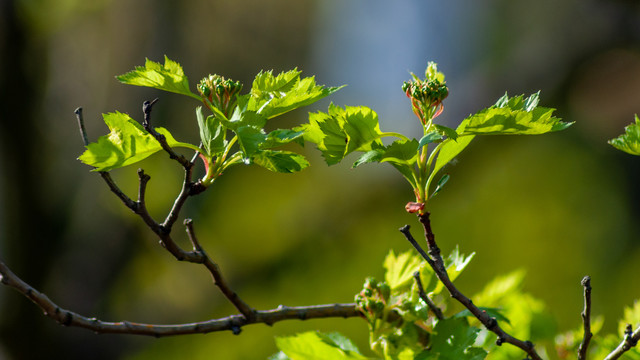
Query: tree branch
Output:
(233,323)
(586,319)
(630,340)
(436,310)
(434,259)
(146,109)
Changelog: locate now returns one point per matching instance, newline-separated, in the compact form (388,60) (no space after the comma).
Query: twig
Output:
(436,310)
(146,109)
(586,319)
(434,259)
(630,340)
(233,323)
(83,131)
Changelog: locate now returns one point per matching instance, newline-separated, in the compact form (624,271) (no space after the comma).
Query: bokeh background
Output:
(560,206)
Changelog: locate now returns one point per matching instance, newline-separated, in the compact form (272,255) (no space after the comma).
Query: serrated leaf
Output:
(629,142)
(212,133)
(453,339)
(400,269)
(127,143)
(250,138)
(513,116)
(281,137)
(455,263)
(340,132)
(449,150)
(167,77)
(313,346)
(280,161)
(275,95)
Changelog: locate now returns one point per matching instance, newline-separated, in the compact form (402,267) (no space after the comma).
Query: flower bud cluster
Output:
(427,95)
(219,92)
(373,299)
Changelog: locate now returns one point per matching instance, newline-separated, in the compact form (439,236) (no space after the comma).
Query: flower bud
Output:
(219,92)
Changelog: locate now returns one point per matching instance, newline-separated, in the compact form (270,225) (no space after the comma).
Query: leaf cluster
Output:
(231,125)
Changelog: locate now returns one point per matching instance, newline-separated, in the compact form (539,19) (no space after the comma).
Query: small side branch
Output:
(434,259)
(232,323)
(586,319)
(423,295)
(630,340)
(146,109)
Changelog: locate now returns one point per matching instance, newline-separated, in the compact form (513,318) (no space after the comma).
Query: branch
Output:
(586,319)
(146,109)
(233,323)
(434,259)
(436,310)
(630,340)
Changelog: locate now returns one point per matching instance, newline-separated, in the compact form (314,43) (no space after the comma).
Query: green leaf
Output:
(449,132)
(429,138)
(455,263)
(340,132)
(443,180)
(275,95)
(167,77)
(315,346)
(513,116)
(453,339)
(250,138)
(212,133)
(280,161)
(127,143)
(449,150)
(631,316)
(629,142)
(281,137)
(400,269)
(402,152)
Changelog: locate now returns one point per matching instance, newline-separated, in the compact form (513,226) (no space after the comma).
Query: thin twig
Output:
(83,131)
(434,259)
(586,319)
(232,323)
(423,295)
(146,109)
(630,340)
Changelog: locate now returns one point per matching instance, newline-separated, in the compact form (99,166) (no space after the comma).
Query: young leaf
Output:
(400,269)
(315,346)
(629,142)
(280,161)
(339,131)
(127,143)
(280,137)
(401,152)
(443,180)
(450,149)
(275,95)
(167,77)
(429,138)
(212,133)
(514,116)
(453,339)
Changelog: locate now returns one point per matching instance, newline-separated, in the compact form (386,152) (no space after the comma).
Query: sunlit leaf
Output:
(400,269)
(275,95)
(126,144)
(429,138)
(629,142)
(280,161)
(513,116)
(340,132)
(167,77)
(315,346)
(212,133)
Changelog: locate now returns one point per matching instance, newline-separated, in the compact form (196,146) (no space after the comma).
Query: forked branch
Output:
(434,259)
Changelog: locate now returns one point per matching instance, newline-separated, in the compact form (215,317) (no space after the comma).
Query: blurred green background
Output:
(560,206)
